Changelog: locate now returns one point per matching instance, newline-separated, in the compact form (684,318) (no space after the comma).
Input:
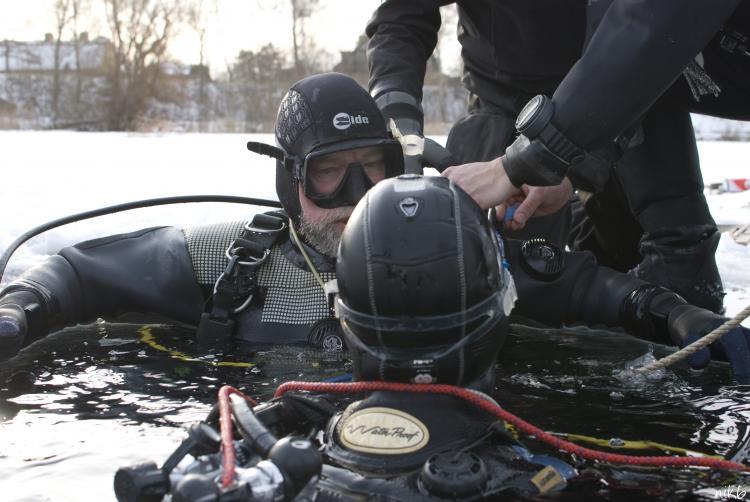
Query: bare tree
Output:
(66,107)
(63,16)
(198,15)
(306,56)
(302,10)
(140,31)
(78,7)
(257,80)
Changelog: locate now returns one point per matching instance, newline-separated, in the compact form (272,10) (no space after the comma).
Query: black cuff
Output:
(402,111)
(645,311)
(402,106)
(593,170)
(33,305)
(531,163)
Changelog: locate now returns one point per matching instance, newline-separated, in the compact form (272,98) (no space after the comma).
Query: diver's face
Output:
(322,227)
(326,174)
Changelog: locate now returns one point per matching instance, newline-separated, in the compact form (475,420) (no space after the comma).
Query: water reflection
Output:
(76,406)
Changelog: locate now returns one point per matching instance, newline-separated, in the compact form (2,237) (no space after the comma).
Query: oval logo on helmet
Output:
(385,431)
(343,120)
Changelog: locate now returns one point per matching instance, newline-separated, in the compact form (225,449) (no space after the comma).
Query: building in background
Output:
(69,84)
(51,83)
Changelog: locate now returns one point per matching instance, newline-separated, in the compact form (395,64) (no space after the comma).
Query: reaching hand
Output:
(485,182)
(535,201)
(13,327)
(688,323)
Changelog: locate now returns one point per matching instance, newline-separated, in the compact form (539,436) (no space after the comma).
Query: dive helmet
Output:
(423,296)
(320,115)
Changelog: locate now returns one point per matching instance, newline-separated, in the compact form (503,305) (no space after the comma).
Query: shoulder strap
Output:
(236,286)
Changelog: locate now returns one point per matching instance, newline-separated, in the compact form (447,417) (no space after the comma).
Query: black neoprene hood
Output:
(325,109)
(322,114)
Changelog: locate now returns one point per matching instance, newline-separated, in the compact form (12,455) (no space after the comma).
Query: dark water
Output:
(78,405)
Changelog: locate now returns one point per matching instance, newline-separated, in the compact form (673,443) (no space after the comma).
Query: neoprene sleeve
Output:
(639,48)
(583,292)
(402,38)
(144,271)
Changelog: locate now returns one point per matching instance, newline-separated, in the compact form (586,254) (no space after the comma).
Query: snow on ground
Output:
(723,160)
(713,128)
(47,175)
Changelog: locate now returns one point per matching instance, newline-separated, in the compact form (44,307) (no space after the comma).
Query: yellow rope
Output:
(621,444)
(633,445)
(148,338)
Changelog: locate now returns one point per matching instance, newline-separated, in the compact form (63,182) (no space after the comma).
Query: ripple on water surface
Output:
(78,405)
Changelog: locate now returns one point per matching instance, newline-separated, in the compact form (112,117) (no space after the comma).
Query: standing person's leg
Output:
(604,225)
(664,186)
(484,134)
(603,222)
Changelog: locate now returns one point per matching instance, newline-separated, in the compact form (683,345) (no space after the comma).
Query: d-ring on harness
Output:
(237,284)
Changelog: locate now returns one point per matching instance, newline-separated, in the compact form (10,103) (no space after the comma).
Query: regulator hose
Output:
(127,206)
(493,408)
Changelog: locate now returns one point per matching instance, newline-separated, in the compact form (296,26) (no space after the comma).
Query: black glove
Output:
(688,323)
(13,328)
(659,315)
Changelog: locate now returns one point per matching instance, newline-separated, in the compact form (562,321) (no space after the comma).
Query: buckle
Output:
(264,218)
(251,261)
(212,329)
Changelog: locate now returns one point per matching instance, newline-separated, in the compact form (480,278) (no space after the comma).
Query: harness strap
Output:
(236,285)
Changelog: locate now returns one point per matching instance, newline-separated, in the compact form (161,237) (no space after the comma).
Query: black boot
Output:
(683,260)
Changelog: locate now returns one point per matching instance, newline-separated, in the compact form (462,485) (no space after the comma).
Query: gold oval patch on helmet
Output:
(384,431)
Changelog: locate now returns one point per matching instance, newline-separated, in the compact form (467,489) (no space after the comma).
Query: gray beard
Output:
(323,235)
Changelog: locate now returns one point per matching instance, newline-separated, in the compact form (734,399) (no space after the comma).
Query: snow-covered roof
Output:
(40,56)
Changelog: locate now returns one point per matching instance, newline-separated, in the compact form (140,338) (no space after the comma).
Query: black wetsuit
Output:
(513,49)
(171,272)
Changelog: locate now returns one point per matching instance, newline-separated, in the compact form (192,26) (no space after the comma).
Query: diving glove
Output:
(688,324)
(659,315)
(13,328)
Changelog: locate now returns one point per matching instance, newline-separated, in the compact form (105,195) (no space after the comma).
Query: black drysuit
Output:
(514,49)
(170,272)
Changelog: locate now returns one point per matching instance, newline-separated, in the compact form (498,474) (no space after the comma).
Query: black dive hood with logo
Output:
(324,114)
(421,288)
